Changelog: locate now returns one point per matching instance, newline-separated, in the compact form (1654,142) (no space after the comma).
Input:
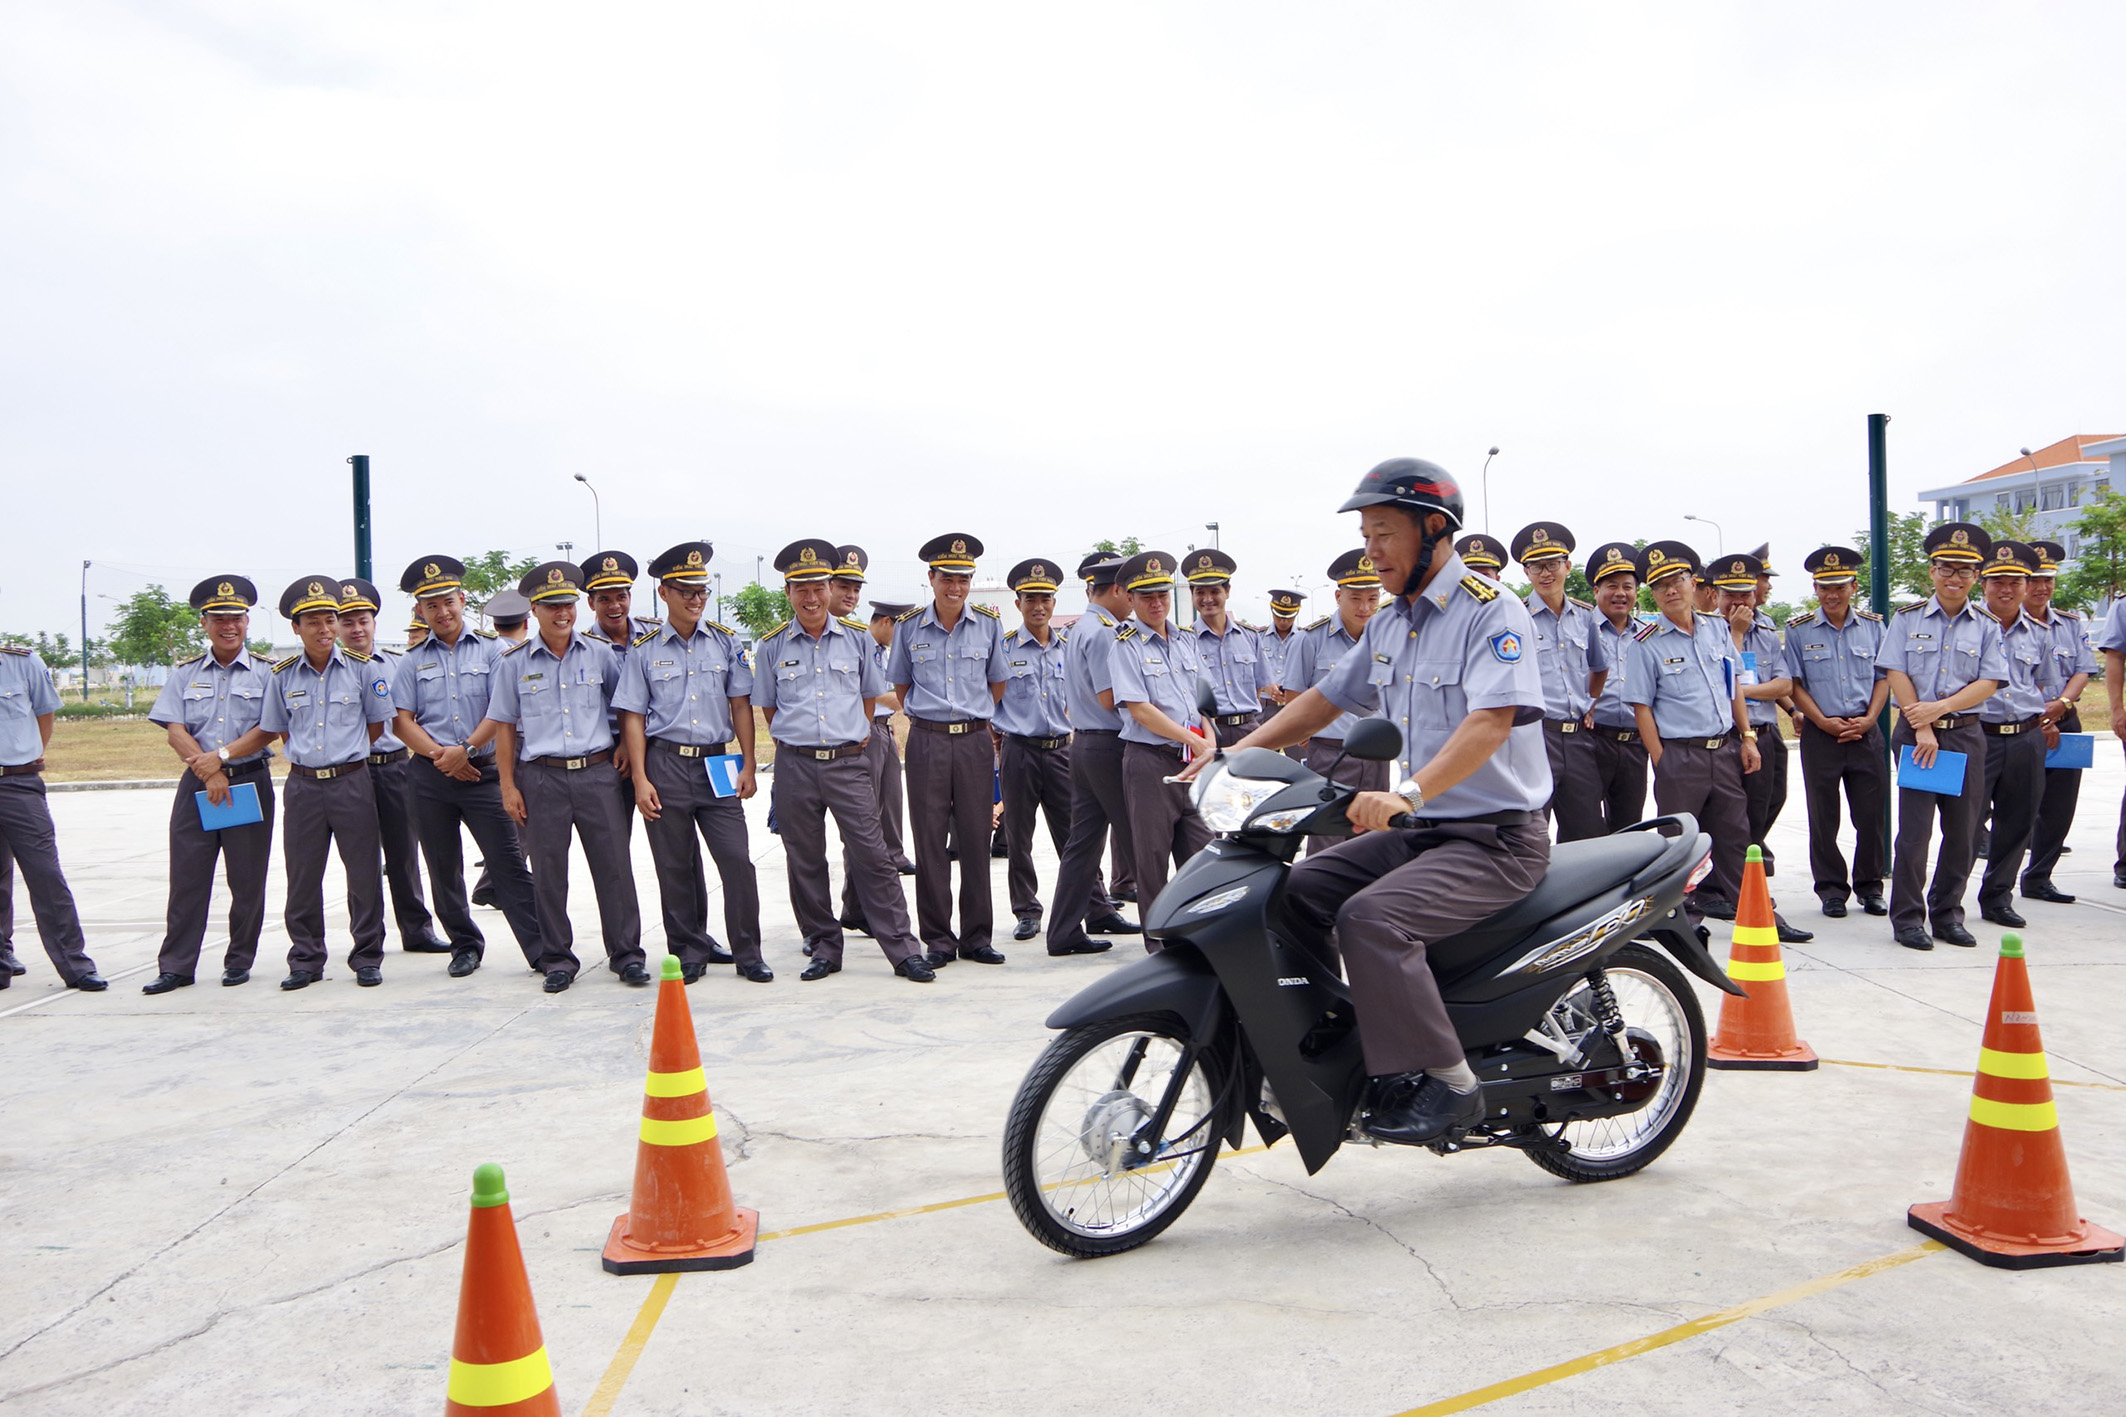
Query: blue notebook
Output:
(1945,777)
(241,810)
(723,773)
(2076,750)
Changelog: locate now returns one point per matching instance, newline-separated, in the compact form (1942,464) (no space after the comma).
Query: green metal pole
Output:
(361,515)
(1879,567)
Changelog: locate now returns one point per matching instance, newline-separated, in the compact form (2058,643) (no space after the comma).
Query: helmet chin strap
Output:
(1426,543)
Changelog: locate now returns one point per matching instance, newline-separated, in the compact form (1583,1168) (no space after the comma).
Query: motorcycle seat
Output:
(1579,871)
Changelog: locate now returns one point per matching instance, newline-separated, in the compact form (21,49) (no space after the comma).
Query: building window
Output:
(2000,502)
(2051,499)
(2074,495)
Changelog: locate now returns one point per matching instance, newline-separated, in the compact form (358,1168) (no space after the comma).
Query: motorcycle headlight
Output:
(1227,800)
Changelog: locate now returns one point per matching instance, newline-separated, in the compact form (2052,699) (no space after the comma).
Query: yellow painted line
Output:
(686,1131)
(1756,971)
(638,1337)
(1960,1073)
(1588,1362)
(2015,1116)
(2011,1065)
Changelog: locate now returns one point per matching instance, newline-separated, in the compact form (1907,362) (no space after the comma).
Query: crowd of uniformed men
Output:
(568,726)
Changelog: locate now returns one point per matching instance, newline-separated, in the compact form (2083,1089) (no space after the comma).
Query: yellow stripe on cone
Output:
(1757,1031)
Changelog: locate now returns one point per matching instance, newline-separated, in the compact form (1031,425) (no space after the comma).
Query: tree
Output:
(2099,571)
(1127,546)
(490,573)
(2005,523)
(151,628)
(759,609)
(1908,555)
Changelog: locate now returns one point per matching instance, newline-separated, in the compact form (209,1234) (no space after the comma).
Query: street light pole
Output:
(84,632)
(1719,536)
(1487,487)
(1212,528)
(597,510)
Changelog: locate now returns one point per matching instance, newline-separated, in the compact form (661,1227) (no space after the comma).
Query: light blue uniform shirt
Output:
(1611,710)
(1159,670)
(1687,677)
(387,662)
(683,687)
(1276,652)
(558,702)
(1036,702)
(445,687)
(1943,653)
(326,713)
(1426,664)
(1567,651)
(817,687)
(26,694)
(2114,626)
(1088,661)
(2067,652)
(1836,664)
(948,674)
(216,703)
(2026,645)
(1321,647)
(1764,657)
(1233,663)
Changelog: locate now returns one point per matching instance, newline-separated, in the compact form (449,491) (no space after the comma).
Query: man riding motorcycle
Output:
(1450,662)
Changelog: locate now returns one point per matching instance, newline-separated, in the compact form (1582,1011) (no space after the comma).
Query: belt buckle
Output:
(951,728)
(823,755)
(690,750)
(1569,726)
(1713,744)
(573,763)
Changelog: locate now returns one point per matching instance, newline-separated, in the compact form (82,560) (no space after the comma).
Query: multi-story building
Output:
(2052,481)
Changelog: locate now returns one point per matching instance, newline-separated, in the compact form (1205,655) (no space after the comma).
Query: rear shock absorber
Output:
(1611,1016)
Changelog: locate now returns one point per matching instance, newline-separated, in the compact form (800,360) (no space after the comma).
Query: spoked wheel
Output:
(1664,1027)
(1087,1170)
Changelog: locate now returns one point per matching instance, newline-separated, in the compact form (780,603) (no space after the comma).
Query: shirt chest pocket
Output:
(1819,654)
(1241,653)
(1022,673)
(1435,690)
(1154,666)
(343,707)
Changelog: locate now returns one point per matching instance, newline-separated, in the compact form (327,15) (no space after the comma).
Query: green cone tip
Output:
(670,968)
(1754,854)
(487,1185)
(2011,947)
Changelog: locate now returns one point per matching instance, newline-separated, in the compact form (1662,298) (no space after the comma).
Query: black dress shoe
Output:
(982,954)
(369,976)
(917,968)
(904,866)
(558,980)
(638,974)
(718,954)
(1416,1109)
(1792,934)
(427,945)
(14,967)
(463,962)
(1835,909)
(2045,891)
(1955,935)
(1124,894)
(2118,878)
(1874,905)
(91,983)
(2002,915)
(1715,907)
(757,971)
(855,924)
(1028,927)
(937,959)
(1113,925)
(1914,938)
(688,973)
(819,969)
(164,983)
(230,978)
(300,979)
(483,895)
(1083,947)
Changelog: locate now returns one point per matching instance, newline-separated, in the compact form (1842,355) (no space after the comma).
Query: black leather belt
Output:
(1046,745)
(329,773)
(396,755)
(952,726)
(691,750)
(603,755)
(1234,720)
(1953,720)
(1172,750)
(1487,819)
(247,765)
(28,769)
(2009,730)
(1616,735)
(1711,745)
(821,755)
(1098,732)
(1565,725)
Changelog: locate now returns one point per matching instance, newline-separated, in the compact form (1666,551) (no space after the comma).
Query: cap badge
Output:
(553,577)
(693,558)
(431,570)
(612,563)
(1959,537)
(1153,565)
(225,589)
(1736,568)
(348,592)
(959,547)
(316,589)
(806,556)
(1655,556)
(1541,537)
(851,560)
(1203,563)
(1365,563)
(1040,570)
(1830,558)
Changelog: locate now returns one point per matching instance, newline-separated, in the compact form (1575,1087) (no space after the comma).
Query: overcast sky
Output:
(1041,275)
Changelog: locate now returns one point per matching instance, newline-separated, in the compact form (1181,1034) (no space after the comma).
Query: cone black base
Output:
(2106,1247)
(621,1258)
(1763,1065)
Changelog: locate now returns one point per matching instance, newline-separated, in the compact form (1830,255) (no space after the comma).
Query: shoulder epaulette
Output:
(280,664)
(520,644)
(1806,617)
(1863,614)
(713,625)
(1104,618)
(25,649)
(642,639)
(1063,635)
(1581,603)
(1011,636)
(356,655)
(487,634)
(1256,629)
(776,631)
(1905,609)
(990,610)
(653,620)
(1482,589)
(1983,610)
(1318,623)
(852,624)
(1645,630)
(909,614)
(1126,632)
(2069,614)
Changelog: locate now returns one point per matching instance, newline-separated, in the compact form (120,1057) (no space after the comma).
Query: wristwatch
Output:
(1410,792)
(224,751)
(1749,735)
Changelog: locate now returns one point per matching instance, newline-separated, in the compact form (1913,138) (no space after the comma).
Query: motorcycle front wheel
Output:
(1083,1169)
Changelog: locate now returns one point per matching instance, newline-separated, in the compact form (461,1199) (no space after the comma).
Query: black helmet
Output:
(1413,484)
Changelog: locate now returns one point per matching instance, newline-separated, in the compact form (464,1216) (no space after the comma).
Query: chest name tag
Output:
(664,663)
(294,694)
(530,677)
(790,664)
(1677,660)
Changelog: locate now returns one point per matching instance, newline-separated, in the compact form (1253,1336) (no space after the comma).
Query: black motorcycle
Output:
(1590,1044)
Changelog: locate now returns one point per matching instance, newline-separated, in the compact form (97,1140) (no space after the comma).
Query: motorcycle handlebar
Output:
(1403,821)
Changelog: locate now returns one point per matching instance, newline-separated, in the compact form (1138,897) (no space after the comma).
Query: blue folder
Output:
(241,810)
(2076,750)
(1945,777)
(723,773)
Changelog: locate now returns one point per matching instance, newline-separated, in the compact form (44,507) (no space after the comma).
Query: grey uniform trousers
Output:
(442,805)
(26,832)
(1707,783)
(317,817)
(1576,780)
(1164,826)
(1352,772)
(1039,783)
(402,849)
(882,757)
(806,790)
(560,802)
(691,814)
(1620,768)
(244,853)
(951,783)
(1098,806)
(1858,767)
(2015,780)
(1765,790)
(1915,902)
(1388,896)
(7,902)
(2055,812)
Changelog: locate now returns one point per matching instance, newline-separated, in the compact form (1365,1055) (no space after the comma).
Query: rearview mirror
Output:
(1373,740)
(1206,698)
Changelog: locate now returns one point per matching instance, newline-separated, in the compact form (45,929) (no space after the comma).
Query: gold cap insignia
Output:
(431,570)
(553,577)
(348,592)
(1960,537)
(1040,571)
(1736,569)
(225,589)
(316,589)
(1365,563)
(1153,565)
(959,548)
(612,563)
(1830,558)
(1203,563)
(1655,556)
(693,558)
(806,556)
(852,560)
(1541,537)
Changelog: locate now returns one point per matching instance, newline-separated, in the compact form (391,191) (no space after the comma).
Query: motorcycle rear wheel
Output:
(1654,997)
(1072,1182)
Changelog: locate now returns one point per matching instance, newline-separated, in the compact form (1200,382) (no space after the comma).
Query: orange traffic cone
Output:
(498,1360)
(2013,1206)
(1757,1032)
(681,1215)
